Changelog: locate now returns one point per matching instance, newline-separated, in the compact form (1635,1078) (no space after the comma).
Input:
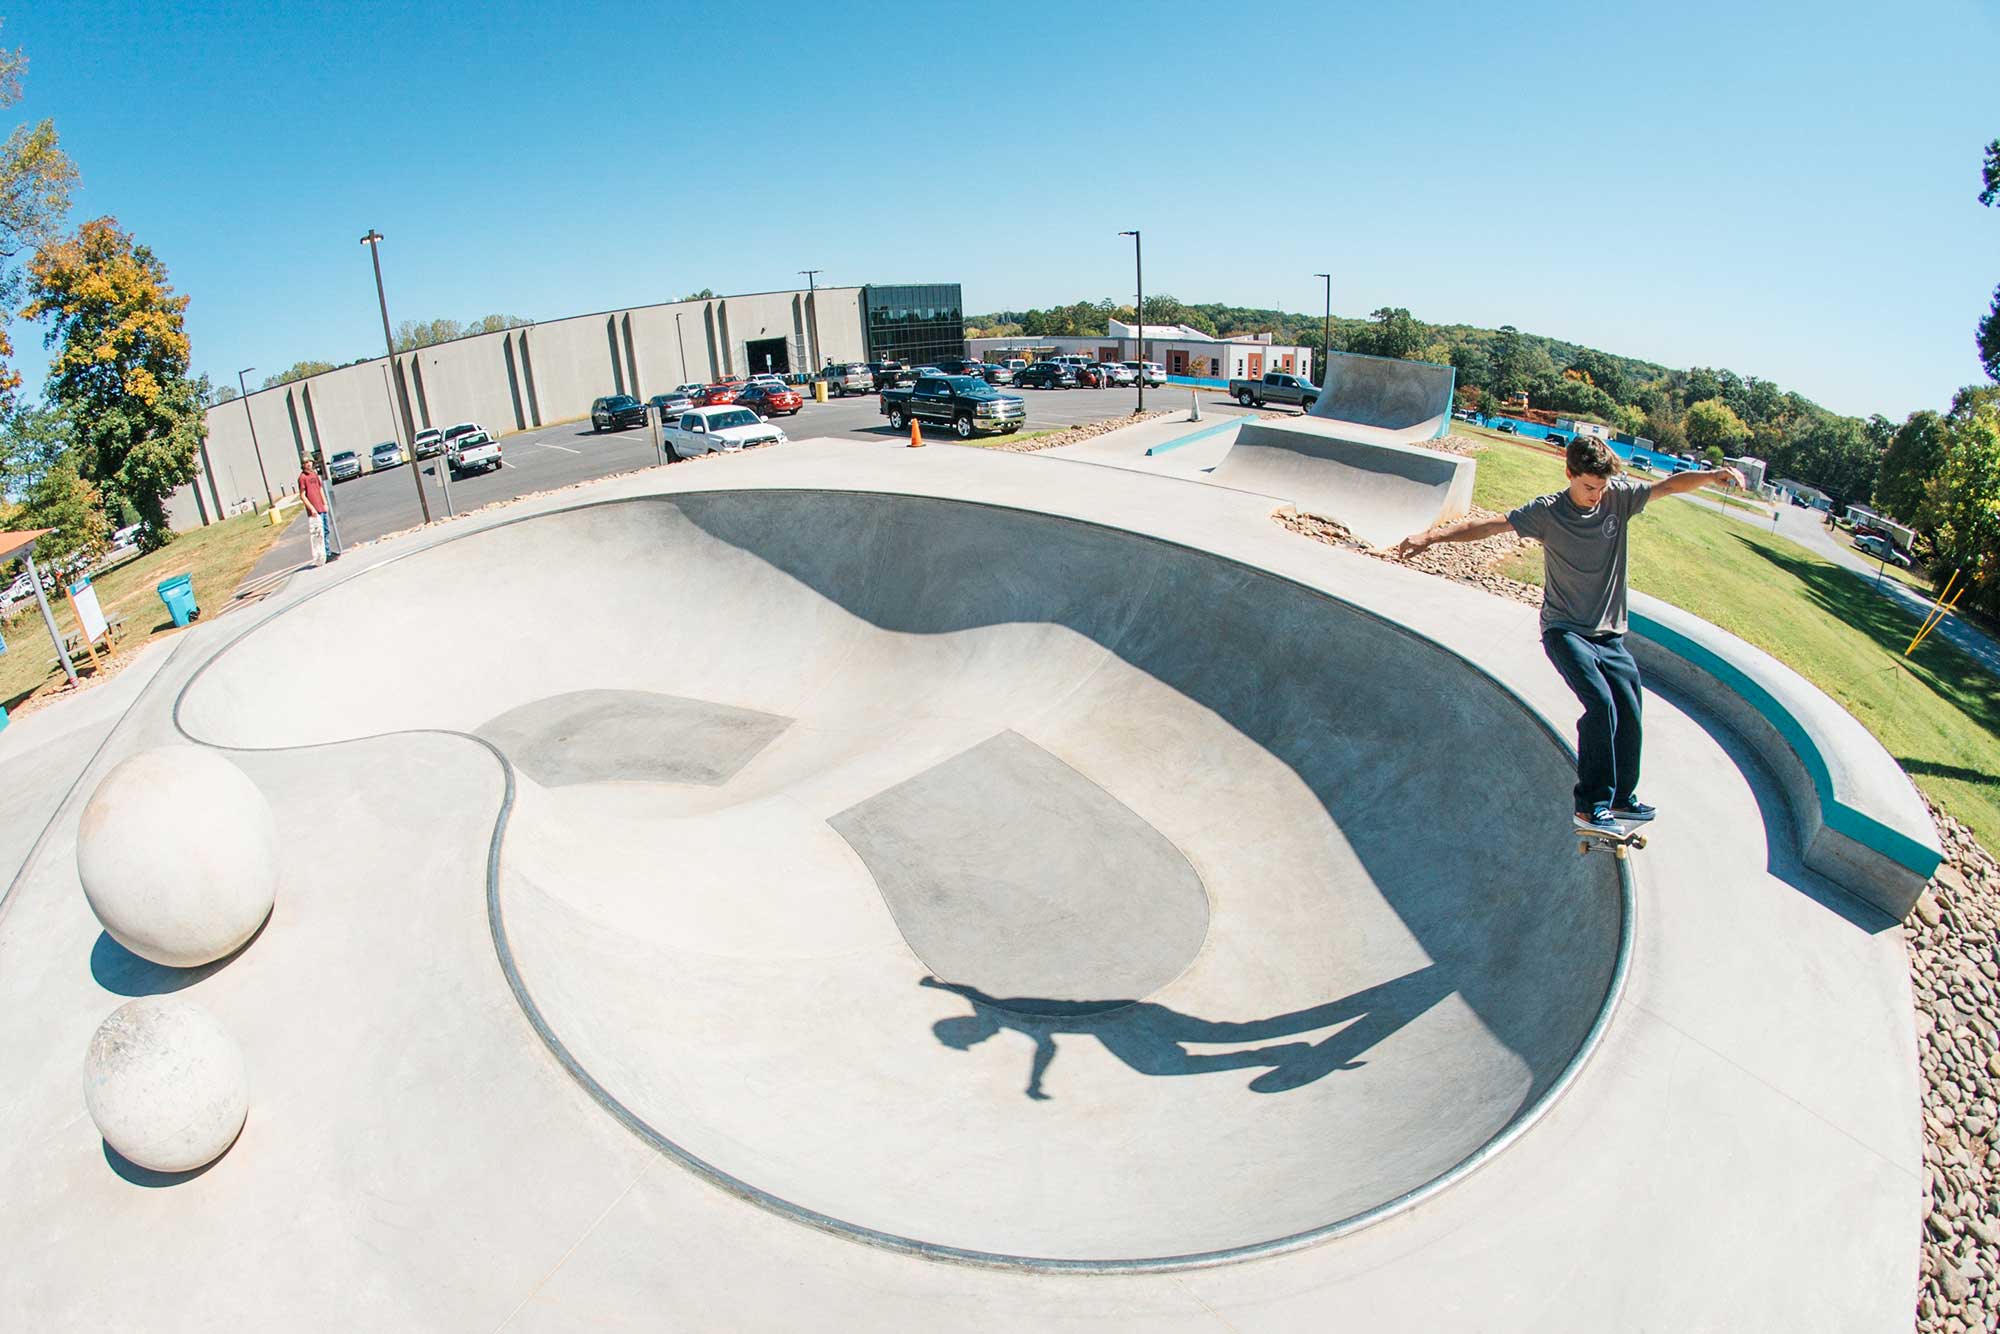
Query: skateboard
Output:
(1620,841)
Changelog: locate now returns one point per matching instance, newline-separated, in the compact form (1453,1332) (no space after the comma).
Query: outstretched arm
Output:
(1694,480)
(1470,530)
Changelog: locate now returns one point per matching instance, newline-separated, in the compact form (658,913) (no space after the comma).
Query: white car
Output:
(452,433)
(717,430)
(1155,374)
(775,381)
(20,588)
(693,391)
(477,452)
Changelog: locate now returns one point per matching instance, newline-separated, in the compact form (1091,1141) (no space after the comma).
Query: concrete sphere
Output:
(178,855)
(165,1084)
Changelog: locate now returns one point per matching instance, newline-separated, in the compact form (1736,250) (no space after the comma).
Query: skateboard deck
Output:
(1621,841)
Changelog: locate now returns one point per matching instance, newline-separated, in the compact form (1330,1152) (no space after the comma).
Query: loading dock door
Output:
(768,356)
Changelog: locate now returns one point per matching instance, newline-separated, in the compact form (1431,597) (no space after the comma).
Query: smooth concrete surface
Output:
(1742,1150)
(1858,818)
(586,736)
(1245,772)
(1385,400)
(1379,489)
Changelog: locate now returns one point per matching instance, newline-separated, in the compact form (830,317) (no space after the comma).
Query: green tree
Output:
(298,370)
(1915,455)
(35,182)
(1988,331)
(1393,332)
(1711,424)
(1472,364)
(1833,453)
(38,464)
(1961,508)
(1629,419)
(120,373)
(705,294)
(1701,383)
(223,393)
(496,323)
(413,334)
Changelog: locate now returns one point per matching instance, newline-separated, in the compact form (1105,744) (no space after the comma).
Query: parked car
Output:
(1881,549)
(1507,428)
(1151,371)
(388,454)
(126,536)
(1046,375)
(848,377)
(769,401)
(888,373)
(428,444)
(693,391)
(1091,377)
(616,412)
(453,432)
(719,395)
(1276,387)
(958,365)
(344,465)
(23,586)
(718,429)
(995,373)
(671,404)
(1799,500)
(1117,374)
(919,372)
(478,452)
(966,403)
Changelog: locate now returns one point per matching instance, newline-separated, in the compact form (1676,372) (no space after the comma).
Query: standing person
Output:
(1584,530)
(314,495)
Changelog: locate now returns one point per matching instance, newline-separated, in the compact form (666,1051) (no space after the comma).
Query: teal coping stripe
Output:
(1203,433)
(1835,814)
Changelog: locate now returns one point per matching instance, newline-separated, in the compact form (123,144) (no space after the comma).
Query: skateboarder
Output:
(1583,530)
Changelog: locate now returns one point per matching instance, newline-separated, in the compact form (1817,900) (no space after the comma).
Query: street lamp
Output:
(812,313)
(374,243)
(255,448)
(1326,330)
(682,343)
(1139,270)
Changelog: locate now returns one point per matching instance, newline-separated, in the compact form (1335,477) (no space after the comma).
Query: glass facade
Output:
(915,322)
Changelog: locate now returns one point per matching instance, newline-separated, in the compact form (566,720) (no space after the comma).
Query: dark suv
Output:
(615,412)
(1046,375)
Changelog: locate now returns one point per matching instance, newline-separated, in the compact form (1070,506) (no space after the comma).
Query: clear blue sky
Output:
(1787,190)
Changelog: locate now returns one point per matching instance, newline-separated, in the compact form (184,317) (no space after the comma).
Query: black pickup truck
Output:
(966,403)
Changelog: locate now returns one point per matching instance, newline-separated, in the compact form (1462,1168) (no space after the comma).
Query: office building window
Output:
(915,322)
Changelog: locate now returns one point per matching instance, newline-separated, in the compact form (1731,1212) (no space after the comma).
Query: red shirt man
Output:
(311,490)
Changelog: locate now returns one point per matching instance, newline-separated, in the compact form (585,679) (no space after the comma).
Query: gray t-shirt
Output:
(1583,579)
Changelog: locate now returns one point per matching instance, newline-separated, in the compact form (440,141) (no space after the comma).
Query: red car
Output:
(769,400)
(717,395)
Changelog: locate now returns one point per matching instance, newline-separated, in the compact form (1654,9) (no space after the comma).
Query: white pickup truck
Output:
(718,430)
(477,452)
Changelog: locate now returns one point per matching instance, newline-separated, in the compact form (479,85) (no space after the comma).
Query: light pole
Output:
(681,342)
(1326,330)
(1139,270)
(255,448)
(374,243)
(812,314)
(442,467)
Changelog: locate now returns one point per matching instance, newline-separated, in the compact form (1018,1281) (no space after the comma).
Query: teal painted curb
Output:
(1202,434)
(1835,814)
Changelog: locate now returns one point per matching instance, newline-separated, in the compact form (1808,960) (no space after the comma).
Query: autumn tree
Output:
(1961,508)
(35,181)
(120,372)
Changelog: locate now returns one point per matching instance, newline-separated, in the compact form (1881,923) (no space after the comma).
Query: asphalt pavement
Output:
(542,459)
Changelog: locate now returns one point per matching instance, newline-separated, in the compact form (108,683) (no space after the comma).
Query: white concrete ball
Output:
(165,1084)
(178,854)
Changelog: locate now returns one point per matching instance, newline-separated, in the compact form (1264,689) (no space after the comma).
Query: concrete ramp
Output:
(1357,457)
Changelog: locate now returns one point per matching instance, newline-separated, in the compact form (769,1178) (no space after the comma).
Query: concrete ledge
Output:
(1860,822)
(1379,488)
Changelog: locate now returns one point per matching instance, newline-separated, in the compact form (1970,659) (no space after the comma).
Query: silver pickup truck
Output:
(1275,387)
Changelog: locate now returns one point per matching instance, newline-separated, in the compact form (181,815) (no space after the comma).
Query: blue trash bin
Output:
(178,594)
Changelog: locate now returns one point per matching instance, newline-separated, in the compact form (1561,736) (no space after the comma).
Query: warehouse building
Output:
(519,379)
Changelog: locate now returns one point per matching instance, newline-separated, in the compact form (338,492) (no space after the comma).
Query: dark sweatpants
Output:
(1600,669)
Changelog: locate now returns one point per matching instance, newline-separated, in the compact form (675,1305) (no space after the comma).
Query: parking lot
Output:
(551,456)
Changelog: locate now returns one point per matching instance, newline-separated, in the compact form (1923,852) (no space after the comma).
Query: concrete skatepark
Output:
(899,879)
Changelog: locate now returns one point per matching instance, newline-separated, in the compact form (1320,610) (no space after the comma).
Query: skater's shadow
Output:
(1152,1038)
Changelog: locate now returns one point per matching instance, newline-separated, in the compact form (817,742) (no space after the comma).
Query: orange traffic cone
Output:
(916,434)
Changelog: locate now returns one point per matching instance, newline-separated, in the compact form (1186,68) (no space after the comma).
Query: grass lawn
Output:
(218,557)
(1937,712)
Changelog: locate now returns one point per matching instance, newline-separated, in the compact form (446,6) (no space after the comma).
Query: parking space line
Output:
(564,448)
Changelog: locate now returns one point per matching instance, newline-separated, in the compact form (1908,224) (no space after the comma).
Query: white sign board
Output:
(87,611)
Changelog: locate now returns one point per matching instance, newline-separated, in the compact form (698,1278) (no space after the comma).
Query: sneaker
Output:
(1633,810)
(1597,817)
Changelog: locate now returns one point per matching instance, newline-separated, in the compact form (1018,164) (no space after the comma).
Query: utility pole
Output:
(682,342)
(255,448)
(1326,330)
(1139,271)
(374,243)
(812,314)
